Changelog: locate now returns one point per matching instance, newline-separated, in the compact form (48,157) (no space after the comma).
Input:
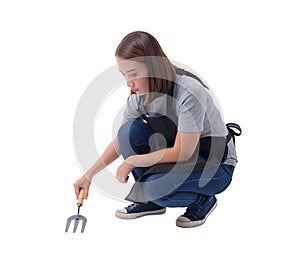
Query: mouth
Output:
(135,90)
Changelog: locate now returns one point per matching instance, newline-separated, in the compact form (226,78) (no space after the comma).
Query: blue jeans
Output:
(173,189)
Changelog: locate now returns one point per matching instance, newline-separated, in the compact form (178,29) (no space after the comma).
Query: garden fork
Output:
(77,217)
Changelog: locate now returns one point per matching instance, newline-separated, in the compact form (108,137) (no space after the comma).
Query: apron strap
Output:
(232,133)
(181,71)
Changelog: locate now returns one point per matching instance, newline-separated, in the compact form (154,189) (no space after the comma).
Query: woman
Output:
(173,139)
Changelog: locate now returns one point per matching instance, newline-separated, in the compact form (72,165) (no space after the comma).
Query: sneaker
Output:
(197,215)
(137,210)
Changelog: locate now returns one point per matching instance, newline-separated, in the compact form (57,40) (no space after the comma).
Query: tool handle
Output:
(80,197)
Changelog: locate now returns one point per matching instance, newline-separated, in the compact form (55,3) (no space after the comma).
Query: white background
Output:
(248,52)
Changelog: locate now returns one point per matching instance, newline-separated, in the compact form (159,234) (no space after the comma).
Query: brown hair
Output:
(145,48)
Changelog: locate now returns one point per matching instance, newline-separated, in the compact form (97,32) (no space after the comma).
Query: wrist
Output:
(130,162)
(90,174)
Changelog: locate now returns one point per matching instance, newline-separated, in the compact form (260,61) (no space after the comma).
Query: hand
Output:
(123,172)
(84,182)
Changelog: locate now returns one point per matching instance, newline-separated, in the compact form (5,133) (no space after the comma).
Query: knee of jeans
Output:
(136,135)
(140,133)
(140,137)
(136,130)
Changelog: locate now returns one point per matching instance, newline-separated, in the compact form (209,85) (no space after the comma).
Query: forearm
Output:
(169,155)
(110,154)
(183,149)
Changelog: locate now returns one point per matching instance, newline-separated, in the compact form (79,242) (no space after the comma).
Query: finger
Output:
(76,188)
(86,193)
(122,180)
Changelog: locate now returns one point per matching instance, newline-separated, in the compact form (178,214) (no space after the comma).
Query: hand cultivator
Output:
(77,217)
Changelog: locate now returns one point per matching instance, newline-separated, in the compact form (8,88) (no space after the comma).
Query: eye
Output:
(133,75)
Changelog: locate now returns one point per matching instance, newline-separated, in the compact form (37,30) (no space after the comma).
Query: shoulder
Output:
(189,88)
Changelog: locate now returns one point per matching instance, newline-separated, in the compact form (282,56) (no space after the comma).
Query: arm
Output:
(110,154)
(183,149)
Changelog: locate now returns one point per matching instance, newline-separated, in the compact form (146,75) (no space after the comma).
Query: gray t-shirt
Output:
(194,107)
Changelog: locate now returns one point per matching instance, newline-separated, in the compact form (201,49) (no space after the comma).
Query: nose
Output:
(130,83)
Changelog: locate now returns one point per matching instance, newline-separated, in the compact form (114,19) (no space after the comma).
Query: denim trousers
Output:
(172,189)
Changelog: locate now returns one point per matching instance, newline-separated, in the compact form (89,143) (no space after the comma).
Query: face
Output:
(136,75)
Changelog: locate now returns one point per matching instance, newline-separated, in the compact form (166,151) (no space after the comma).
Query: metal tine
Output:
(84,220)
(76,224)
(68,224)
(76,219)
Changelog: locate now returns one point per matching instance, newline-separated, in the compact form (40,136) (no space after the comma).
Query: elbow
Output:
(184,156)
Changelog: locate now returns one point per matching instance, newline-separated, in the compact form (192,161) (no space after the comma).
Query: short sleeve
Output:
(191,112)
(132,110)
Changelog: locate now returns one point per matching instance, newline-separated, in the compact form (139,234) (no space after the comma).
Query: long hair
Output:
(143,47)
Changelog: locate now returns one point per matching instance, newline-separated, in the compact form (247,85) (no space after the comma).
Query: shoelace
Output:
(194,213)
(134,206)
(139,207)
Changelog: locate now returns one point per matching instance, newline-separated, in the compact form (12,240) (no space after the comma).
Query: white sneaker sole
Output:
(184,222)
(121,214)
